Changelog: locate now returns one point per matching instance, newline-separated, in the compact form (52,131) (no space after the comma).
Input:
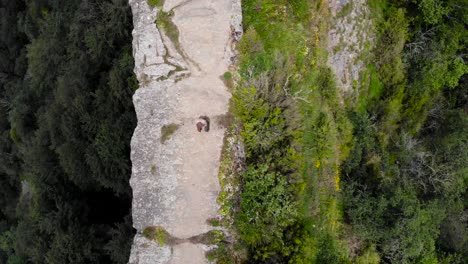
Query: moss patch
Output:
(164,22)
(212,237)
(153,169)
(167,131)
(159,235)
(155,3)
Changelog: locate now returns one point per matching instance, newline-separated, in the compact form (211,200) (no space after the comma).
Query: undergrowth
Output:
(325,172)
(295,136)
(396,172)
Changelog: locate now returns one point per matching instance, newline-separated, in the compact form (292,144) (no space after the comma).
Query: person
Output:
(203,122)
(200,124)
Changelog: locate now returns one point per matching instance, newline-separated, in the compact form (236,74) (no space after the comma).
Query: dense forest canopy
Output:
(406,178)
(66,119)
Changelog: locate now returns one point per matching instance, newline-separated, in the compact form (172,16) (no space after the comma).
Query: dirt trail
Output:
(204,28)
(181,195)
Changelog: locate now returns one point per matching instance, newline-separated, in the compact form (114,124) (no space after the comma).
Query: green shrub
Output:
(227,75)
(214,222)
(390,44)
(288,107)
(369,256)
(267,209)
(327,87)
(328,251)
(228,81)
(432,11)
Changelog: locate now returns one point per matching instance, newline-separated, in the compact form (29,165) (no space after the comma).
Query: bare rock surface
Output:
(146,251)
(351,32)
(175,181)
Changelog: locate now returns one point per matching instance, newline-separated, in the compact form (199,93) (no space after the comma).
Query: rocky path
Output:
(175,181)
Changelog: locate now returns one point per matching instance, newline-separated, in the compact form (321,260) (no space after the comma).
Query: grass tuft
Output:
(228,80)
(214,222)
(156,3)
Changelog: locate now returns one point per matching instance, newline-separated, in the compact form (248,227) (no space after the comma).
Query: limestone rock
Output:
(149,252)
(236,20)
(350,34)
(175,181)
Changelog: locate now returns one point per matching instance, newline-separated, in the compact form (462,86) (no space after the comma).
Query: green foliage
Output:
(294,133)
(222,255)
(66,119)
(432,11)
(227,75)
(328,251)
(371,89)
(392,36)
(369,256)
(292,129)
(228,80)
(265,205)
(156,3)
(214,222)
(250,45)
(119,245)
(402,194)
(402,205)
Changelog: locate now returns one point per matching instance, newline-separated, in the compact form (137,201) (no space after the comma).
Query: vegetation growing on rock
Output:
(167,131)
(156,3)
(159,235)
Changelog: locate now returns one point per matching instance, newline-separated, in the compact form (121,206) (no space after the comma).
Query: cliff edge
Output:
(175,167)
